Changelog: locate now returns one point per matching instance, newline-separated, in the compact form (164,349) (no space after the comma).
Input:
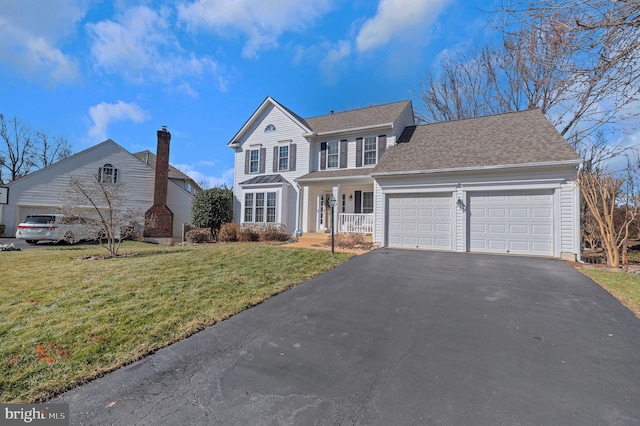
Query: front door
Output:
(324,212)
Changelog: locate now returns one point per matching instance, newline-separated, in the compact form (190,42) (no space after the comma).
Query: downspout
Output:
(577,220)
(298,208)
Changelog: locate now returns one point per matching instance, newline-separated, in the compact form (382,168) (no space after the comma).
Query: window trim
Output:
(365,150)
(108,170)
(264,211)
(256,160)
(362,206)
(285,158)
(336,155)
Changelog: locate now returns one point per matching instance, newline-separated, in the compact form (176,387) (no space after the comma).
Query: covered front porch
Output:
(352,212)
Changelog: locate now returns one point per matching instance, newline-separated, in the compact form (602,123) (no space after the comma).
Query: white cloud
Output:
(140,46)
(334,60)
(403,19)
(104,114)
(225,178)
(30,38)
(262,22)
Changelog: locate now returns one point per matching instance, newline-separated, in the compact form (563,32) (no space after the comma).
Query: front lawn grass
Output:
(64,321)
(624,287)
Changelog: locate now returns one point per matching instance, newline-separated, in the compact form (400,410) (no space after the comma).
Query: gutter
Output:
(466,169)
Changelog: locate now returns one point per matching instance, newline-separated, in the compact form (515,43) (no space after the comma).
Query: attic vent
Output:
(270,128)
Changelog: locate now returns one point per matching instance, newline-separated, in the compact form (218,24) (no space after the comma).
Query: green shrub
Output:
(229,232)
(199,235)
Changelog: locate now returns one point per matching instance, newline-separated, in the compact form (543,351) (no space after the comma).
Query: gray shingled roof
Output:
(264,179)
(337,173)
(174,173)
(517,138)
(371,116)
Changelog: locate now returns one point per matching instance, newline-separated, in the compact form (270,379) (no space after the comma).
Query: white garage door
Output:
(514,222)
(420,221)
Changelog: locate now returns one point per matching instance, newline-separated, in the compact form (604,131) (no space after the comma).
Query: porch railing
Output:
(356,223)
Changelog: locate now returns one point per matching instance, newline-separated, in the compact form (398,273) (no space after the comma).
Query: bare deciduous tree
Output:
(23,150)
(580,65)
(601,193)
(105,209)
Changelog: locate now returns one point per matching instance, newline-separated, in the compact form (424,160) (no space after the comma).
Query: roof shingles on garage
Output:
(357,118)
(517,138)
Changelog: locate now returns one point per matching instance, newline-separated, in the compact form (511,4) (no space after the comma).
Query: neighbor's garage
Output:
(420,221)
(513,222)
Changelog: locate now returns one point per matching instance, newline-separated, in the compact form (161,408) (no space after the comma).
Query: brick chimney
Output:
(159,219)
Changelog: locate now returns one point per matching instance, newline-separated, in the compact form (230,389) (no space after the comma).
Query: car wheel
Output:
(31,241)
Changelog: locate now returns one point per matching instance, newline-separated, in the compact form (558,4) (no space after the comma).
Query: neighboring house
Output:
(43,191)
(497,184)
(175,175)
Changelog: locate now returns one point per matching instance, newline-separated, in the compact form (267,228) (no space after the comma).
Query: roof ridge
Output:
(457,120)
(359,109)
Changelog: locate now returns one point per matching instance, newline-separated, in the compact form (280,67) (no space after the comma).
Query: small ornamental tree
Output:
(212,208)
(104,209)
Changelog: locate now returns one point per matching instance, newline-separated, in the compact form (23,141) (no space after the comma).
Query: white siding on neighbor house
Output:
(46,187)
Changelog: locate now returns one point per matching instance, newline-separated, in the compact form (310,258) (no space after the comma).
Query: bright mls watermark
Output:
(34,414)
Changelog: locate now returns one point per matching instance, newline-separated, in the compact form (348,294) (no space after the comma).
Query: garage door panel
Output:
(516,222)
(424,221)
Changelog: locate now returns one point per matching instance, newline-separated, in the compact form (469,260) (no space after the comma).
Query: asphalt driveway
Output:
(396,337)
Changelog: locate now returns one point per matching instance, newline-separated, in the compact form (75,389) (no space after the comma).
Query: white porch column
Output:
(336,210)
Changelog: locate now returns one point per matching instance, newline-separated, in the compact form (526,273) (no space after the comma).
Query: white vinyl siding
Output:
(511,222)
(285,130)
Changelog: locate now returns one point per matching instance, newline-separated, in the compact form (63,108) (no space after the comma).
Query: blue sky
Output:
(91,70)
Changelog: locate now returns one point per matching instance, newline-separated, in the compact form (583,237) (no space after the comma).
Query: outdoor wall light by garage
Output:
(461,204)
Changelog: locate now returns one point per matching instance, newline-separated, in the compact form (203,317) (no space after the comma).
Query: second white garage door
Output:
(420,221)
(515,222)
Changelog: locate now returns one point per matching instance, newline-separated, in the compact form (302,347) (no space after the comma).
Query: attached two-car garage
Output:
(509,222)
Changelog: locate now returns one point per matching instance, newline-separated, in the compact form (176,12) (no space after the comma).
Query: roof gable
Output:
(269,101)
(517,138)
(107,144)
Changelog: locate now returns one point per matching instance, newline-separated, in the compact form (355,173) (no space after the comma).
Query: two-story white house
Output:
(503,184)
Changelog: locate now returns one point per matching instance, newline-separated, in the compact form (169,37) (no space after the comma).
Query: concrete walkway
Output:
(396,338)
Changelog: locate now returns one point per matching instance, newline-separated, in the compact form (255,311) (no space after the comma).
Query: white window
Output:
(259,206)
(367,202)
(262,210)
(283,157)
(369,151)
(254,161)
(333,154)
(248,207)
(271,207)
(107,174)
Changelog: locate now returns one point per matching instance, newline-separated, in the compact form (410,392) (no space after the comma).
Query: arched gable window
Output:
(270,128)
(107,174)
